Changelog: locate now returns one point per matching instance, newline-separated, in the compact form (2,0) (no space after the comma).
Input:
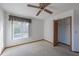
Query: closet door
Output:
(62,31)
(68,30)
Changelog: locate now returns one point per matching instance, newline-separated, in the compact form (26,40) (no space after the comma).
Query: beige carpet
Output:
(40,48)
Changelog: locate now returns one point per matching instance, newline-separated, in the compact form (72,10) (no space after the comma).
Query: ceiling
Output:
(23,10)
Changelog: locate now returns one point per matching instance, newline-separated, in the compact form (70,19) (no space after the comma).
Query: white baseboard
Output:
(48,41)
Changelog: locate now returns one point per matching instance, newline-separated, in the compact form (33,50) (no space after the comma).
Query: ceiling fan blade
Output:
(38,12)
(50,12)
(32,6)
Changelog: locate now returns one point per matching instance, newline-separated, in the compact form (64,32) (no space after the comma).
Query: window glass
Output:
(20,30)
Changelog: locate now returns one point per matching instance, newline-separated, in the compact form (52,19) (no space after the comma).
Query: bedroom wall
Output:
(1,30)
(76,32)
(36,32)
(48,30)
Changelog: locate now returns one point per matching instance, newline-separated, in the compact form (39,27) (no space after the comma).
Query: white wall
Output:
(1,30)
(48,30)
(36,32)
(76,32)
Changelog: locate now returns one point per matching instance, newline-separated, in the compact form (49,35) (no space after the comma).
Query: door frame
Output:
(55,28)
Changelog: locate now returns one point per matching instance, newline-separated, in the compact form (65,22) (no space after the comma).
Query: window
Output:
(20,27)
(20,30)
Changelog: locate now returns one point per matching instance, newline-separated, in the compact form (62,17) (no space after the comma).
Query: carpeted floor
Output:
(40,48)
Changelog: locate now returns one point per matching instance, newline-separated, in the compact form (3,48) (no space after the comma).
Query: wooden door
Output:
(55,43)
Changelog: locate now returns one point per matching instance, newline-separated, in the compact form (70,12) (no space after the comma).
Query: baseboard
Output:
(64,44)
(47,41)
(58,42)
(29,42)
(2,51)
(24,43)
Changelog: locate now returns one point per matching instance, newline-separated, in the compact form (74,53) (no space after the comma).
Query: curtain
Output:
(16,18)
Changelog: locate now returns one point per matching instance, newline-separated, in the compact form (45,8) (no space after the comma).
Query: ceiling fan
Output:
(42,7)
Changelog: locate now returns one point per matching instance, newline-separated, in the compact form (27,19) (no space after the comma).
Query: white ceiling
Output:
(23,10)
